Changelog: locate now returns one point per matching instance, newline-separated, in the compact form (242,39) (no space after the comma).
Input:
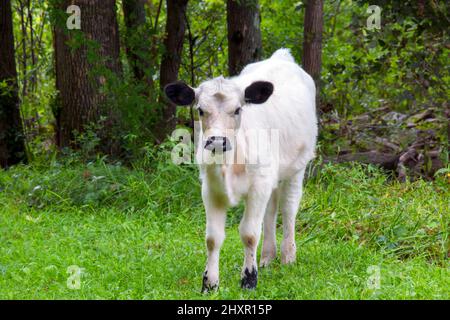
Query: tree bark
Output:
(171,60)
(244,34)
(312,42)
(138,44)
(79,87)
(12,140)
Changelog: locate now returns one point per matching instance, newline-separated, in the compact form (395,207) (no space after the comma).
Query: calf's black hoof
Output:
(250,279)
(206,287)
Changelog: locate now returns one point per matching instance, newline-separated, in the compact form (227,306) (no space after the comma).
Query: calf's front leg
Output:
(250,230)
(215,234)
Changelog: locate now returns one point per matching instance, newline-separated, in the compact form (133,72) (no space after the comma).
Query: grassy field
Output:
(139,234)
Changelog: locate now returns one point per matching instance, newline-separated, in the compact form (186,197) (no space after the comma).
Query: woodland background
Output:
(85,147)
(383,92)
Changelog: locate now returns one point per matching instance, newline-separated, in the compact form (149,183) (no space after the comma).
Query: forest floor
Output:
(139,234)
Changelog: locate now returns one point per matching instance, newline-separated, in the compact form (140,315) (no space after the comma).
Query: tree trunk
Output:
(244,34)
(171,60)
(312,42)
(12,141)
(78,53)
(138,45)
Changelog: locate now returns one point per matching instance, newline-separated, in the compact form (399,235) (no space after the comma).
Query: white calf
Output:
(271,95)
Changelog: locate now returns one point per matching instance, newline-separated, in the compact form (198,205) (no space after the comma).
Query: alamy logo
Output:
(374,279)
(254,147)
(74,279)
(74,20)
(374,20)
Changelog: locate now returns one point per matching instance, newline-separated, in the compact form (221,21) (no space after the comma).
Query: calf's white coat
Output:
(276,182)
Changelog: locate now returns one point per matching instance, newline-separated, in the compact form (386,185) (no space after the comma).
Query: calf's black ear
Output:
(258,92)
(179,93)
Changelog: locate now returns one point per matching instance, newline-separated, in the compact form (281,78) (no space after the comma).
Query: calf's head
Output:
(220,103)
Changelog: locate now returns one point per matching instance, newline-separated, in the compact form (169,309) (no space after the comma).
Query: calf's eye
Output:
(200,112)
(238,111)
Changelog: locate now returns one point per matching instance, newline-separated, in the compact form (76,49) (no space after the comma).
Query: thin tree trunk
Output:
(158,12)
(33,75)
(171,60)
(244,34)
(79,88)
(24,48)
(12,142)
(138,45)
(312,42)
(191,41)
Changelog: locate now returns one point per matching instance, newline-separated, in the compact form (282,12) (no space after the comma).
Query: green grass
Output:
(139,234)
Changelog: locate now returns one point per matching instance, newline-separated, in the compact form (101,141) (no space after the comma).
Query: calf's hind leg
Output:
(290,196)
(269,247)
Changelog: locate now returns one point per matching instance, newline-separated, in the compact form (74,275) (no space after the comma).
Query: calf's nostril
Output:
(226,144)
(218,142)
(208,143)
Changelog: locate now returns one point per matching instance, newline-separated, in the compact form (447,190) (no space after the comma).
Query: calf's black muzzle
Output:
(217,143)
